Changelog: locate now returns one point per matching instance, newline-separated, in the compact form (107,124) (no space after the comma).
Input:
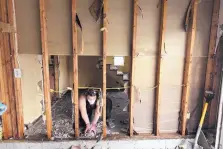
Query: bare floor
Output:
(63,122)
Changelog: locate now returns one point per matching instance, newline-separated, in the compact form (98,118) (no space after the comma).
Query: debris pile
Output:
(63,121)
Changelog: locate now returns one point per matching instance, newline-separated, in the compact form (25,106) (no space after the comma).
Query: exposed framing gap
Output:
(15,65)
(134,33)
(46,80)
(159,64)
(75,69)
(104,53)
(187,68)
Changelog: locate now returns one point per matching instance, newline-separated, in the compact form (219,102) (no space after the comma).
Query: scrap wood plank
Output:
(104,53)
(75,68)
(15,65)
(212,46)
(46,80)
(4,93)
(134,33)
(187,68)
(211,76)
(159,64)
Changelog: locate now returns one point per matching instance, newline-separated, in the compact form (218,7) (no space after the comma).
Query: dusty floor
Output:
(62,118)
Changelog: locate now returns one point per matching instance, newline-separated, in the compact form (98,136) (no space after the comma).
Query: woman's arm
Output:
(83,110)
(96,114)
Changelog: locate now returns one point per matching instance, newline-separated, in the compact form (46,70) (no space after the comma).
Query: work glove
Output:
(93,128)
(88,128)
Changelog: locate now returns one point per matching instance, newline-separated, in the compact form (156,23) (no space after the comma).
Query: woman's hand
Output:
(93,128)
(88,128)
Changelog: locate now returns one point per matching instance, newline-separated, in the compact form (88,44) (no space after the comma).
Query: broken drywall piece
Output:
(40,59)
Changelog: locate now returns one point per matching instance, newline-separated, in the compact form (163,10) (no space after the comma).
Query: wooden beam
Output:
(75,68)
(46,80)
(56,75)
(10,85)
(4,90)
(104,53)
(134,33)
(15,65)
(211,75)
(160,63)
(212,47)
(187,68)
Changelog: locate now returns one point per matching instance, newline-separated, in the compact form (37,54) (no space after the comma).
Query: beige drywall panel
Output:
(59,27)
(119,27)
(28,26)
(147,40)
(31,86)
(173,65)
(91,29)
(64,69)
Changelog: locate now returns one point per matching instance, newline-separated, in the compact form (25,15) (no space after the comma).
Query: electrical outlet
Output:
(188,115)
(17,73)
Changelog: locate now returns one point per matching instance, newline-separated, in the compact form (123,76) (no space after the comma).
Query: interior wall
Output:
(119,44)
(32,92)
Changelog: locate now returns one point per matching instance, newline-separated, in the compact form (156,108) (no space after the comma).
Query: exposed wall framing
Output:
(161,49)
(46,80)
(104,53)
(11,95)
(15,65)
(134,32)
(75,68)
(187,68)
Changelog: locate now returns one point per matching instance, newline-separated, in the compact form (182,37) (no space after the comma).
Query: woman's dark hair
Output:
(91,92)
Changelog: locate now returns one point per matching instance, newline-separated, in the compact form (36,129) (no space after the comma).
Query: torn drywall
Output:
(32,92)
